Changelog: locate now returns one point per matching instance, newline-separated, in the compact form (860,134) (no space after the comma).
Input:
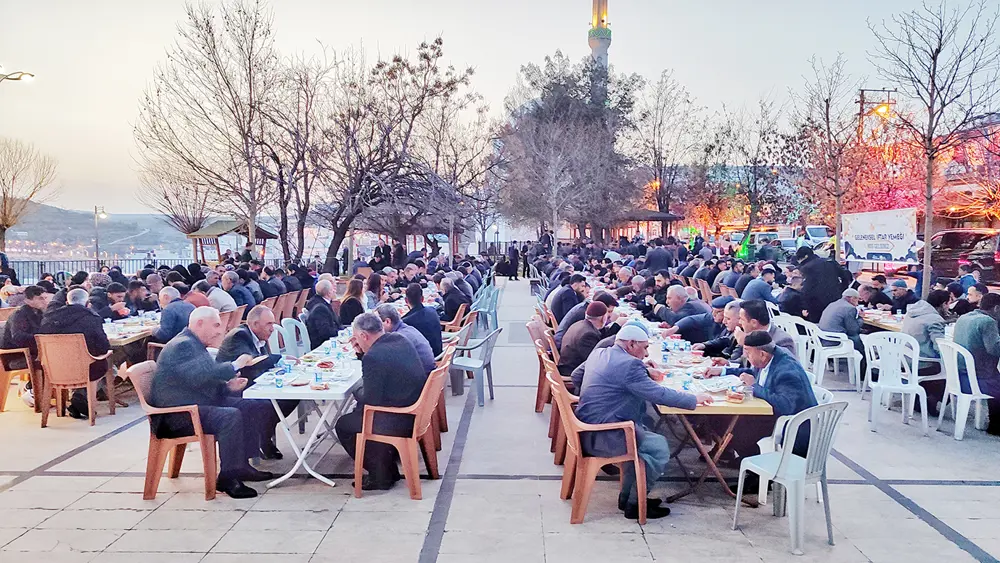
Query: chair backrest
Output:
(226,318)
(463,336)
(772,309)
(270,302)
(298,334)
(553,323)
(459,315)
(950,352)
(335,305)
(705,290)
(536,331)
(897,354)
(444,359)
(429,397)
(823,396)
(288,304)
(6,312)
(300,302)
(823,420)
(567,416)
(236,317)
(141,375)
(551,341)
(64,358)
(280,341)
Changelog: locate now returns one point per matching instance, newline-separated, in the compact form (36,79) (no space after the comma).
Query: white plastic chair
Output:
(794,472)
(279,341)
(843,348)
(898,356)
(953,388)
(768,444)
(787,324)
(298,337)
(772,309)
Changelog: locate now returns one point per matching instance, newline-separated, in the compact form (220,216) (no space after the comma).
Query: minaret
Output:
(599,36)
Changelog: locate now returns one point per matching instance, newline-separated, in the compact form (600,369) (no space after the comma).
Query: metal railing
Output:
(30,271)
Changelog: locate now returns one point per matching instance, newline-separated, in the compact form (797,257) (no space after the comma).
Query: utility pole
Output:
(881,108)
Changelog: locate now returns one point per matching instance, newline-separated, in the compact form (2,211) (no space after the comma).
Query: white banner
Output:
(882,236)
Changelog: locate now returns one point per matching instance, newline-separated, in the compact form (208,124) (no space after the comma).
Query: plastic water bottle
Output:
(279,379)
(318,377)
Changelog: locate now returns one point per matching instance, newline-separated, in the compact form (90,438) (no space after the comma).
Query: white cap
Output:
(632,332)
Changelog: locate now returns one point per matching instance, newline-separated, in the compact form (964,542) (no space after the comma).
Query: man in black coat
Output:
(513,256)
(657,257)
(569,296)
(109,301)
(453,299)
(76,318)
(392,376)
(187,375)
(24,324)
(424,319)
(398,255)
(321,321)
(823,282)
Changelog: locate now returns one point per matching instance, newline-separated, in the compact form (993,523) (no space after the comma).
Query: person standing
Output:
(513,256)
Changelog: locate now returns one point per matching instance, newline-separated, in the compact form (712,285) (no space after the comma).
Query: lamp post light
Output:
(99,213)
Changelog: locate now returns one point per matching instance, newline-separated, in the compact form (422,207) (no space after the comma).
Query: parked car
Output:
(818,234)
(788,246)
(954,247)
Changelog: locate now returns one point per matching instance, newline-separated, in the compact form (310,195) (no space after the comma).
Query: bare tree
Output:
(946,61)
(181,200)
(204,108)
(26,176)
(827,148)
(669,130)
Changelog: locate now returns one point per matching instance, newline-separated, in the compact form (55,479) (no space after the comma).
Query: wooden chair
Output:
(439,420)
(142,378)
(6,313)
(706,291)
(536,331)
(226,319)
(553,323)
(286,303)
(422,437)
(579,472)
(365,271)
(8,375)
(153,350)
(300,304)
(66,365)
(556,432)
(236,318)
(456,323)
(724,289)
(270,303)
(550,341)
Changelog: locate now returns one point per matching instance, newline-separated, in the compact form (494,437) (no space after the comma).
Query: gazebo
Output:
(210,235)
(647,216)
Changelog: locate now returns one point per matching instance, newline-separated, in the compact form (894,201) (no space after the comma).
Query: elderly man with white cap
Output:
(616,387)
(842,317)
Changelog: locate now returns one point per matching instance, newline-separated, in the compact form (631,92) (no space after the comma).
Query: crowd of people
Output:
(603,353)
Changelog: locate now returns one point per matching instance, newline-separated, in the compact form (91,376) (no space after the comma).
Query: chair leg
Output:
(739,497)
(154,467)
(962,415)
(561,443)
(480,390)
(5,388)
(209,461)
(44,399)
(176,459)
(908,403)
(826,507)
(980,421)
(435,431)
(430,456)
(442,412)
(92,401)
(586,475)
(553,424)
(922,395)
(876,399)
(359,458)
(796,514)
(37,377)
(542,395)
(109,384)
(411,468)
(569,476)
(640,486)
(944,407)
(489,378)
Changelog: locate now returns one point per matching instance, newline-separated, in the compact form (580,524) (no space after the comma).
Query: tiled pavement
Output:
(71,493)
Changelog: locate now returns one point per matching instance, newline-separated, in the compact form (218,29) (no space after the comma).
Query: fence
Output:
(30,271)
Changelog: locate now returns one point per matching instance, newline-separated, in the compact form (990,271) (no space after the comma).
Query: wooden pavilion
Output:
(210,235)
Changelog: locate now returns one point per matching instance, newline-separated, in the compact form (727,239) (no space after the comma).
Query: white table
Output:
(336,401)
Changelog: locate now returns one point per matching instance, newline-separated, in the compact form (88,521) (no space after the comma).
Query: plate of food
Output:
(326,365)
(299,382)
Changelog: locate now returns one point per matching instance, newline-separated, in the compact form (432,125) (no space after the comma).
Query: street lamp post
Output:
(99,213)
(881,108)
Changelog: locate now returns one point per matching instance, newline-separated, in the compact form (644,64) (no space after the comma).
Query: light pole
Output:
(99,213)
(866,107)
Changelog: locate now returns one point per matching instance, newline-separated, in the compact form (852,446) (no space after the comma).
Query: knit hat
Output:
(596,309)
(98,279)
(899,283)
(632,332)
(721,302)
(757,339)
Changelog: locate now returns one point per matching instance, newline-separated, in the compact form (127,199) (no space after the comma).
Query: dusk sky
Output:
(94,58)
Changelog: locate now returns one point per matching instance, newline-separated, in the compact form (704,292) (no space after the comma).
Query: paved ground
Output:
(74,493)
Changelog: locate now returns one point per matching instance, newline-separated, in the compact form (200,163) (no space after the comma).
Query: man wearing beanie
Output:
(581,338)
(902,297)
(578,312)
(776,377)
(616,387)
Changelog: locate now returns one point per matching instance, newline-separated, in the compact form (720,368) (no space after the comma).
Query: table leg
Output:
(307,448)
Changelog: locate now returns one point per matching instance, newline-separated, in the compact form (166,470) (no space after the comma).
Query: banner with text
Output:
(882,236)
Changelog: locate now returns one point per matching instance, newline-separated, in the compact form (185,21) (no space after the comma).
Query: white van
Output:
(818,234)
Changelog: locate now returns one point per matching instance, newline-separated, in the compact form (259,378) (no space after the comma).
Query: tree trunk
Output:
(3,239)
(194,250)
(928,226)
(555,231)
(252,226)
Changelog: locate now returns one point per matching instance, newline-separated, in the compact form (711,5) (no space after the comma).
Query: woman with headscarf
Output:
(194,273)
(185,274)
(307,281)
(117,275)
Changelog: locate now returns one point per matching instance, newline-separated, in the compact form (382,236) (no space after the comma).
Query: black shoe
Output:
(270,451)
(650,503)
(369,484)
(102,395)
(751,485)
(75,412)
(652,512)
(235,489)
(611,469)
(253,475)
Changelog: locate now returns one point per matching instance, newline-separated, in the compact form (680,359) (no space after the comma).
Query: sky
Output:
(94,58)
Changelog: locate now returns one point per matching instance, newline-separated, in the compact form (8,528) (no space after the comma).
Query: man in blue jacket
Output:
(241,295)
(174,315)
(615,388)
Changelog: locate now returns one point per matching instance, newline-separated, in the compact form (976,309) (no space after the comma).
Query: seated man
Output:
(20,331)
(776,377)
(424,319)
(578,312)
(724,345)
(174,315)
(394,324)
(842,317)
(755,316)
(902,297)
(616,387)
(790,301)
(632,288)
(321,320)
(879,299)
(570,296)
(240,294)
(109,301)
(705,326)
(760,287)
(187,375)
(582,337)
(678,306)
(392,376)
(138,299)
(217,297)
(453,299)
(251,339)
(977,332)
(957,304)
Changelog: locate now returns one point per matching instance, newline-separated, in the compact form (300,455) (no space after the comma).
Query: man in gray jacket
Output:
(842,317)
(616,387)
(678,306)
